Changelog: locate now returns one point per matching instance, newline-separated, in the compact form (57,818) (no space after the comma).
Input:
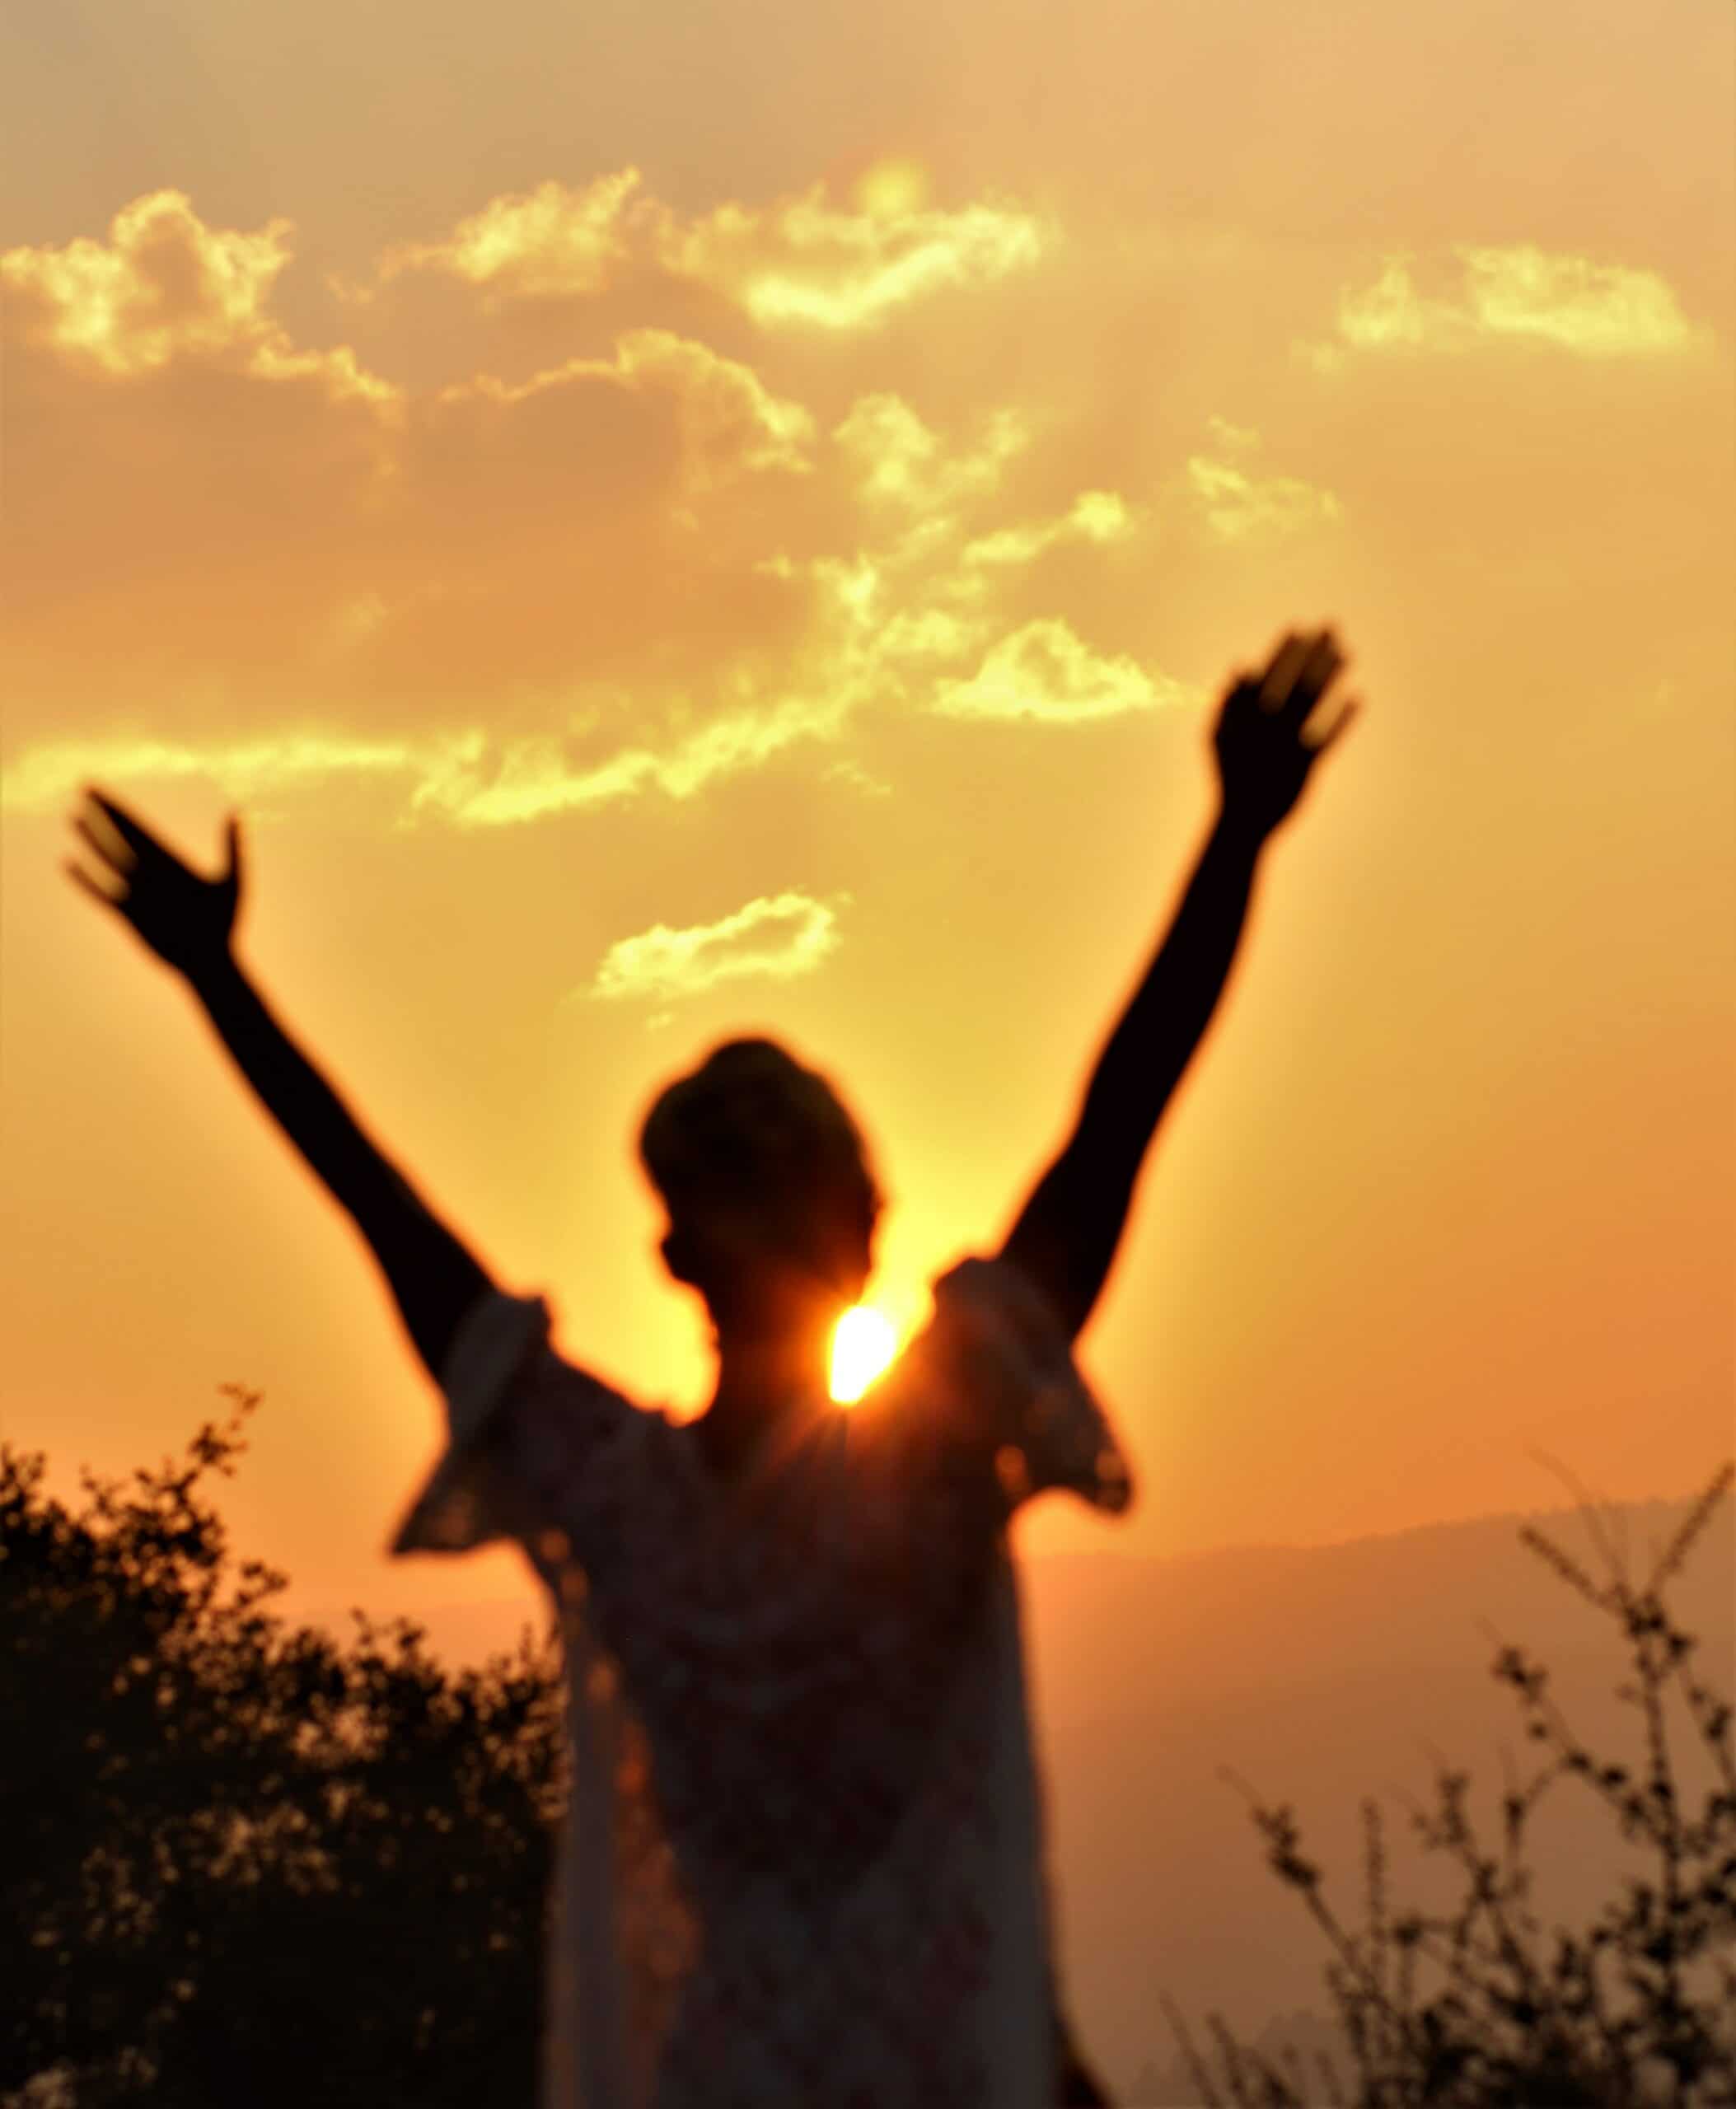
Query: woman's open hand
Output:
(187,921)
(1263,743)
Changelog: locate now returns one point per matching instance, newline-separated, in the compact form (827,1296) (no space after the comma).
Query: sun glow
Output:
(863,1344)
(892,189)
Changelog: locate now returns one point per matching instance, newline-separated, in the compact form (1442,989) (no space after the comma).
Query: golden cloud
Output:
(1047,672)
(800,259)
(533,779)
(804,261)
(1598,310)
(166,286)
(897,458)
(533,541)
(729,420)
(869,647)
(549,241)
(1240,508)
(52,772)
(1231,438)
(777,935)
(461,776)
(1097,517)
(926,633)
(914,601)
(209,529)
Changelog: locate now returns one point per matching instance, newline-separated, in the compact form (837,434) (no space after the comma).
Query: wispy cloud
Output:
(894,457)
(532,779)
(549,241)
(801,260)
(806,261)
(46,775)
(1097,517)
(1595,310)
(776,937)
(729,419)
(396,541)
(166,286)
(655,528)
(1240,507)
(1231,438)
(1045,672)
(463,776)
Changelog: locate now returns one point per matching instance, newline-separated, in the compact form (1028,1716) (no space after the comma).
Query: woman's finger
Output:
(1335,731)
(75,870)
(1321,664)
(115,852)
(139,839)
(1280,676)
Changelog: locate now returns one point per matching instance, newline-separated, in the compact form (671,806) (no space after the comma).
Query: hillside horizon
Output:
(468,1630)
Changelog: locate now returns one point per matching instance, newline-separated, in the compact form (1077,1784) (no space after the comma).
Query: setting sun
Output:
(862,1346)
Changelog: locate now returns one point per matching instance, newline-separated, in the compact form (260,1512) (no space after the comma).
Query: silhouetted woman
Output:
(802,1866)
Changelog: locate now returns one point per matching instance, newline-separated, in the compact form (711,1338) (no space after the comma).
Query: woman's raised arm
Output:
(1068,1231)
(189,923)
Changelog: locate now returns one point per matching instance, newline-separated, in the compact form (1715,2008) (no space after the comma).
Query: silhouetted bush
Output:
(241,1865)
(1480,2007)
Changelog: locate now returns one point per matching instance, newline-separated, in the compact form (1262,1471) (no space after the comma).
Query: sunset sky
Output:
(672,519)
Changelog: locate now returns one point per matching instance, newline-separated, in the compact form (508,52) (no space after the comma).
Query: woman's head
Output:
(765,1178)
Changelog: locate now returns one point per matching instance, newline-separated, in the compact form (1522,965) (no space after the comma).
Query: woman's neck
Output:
(763,1381)
(755,1373)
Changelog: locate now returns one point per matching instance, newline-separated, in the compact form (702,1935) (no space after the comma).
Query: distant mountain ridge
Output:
(1321,1676)
(468,1631)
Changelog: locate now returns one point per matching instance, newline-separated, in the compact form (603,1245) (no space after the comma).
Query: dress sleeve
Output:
(989,1409)
(1008,1389)
(537,1450)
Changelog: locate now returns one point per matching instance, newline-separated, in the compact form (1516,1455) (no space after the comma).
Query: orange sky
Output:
(675,520)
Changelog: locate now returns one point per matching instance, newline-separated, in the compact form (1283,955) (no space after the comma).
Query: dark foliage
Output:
(1482,2007)
(241,1864)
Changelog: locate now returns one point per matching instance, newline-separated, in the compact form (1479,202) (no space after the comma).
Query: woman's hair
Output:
(754,1132)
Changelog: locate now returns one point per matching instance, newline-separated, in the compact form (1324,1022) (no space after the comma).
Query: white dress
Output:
(802,1866)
